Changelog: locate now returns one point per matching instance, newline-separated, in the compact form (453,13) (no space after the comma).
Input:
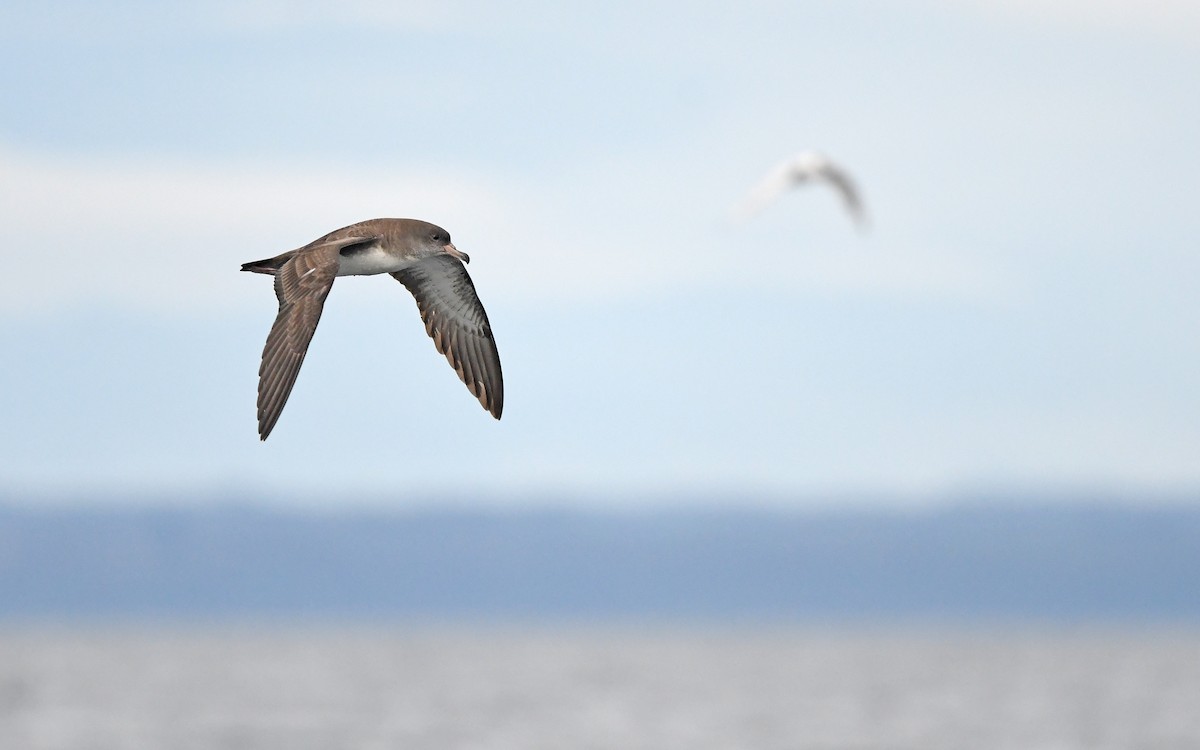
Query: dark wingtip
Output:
(265,428)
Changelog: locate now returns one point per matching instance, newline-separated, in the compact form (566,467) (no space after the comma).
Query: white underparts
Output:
(370,262)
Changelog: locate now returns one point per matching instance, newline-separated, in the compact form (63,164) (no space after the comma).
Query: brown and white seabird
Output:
(420,256)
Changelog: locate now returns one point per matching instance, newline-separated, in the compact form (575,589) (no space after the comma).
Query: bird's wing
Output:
(768,189)
(458,325)
(301,284)
(841,181)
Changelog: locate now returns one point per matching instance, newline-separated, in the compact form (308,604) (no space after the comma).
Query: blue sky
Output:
(1022,312)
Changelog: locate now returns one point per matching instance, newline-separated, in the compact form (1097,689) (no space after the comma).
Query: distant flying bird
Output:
(805,166)
(421,257)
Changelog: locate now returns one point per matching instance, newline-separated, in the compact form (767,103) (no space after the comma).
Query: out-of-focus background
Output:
(766,483)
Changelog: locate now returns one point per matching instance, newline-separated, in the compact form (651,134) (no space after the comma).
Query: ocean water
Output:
(293,688)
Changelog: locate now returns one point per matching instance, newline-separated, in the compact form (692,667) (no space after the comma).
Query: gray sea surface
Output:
(292,688)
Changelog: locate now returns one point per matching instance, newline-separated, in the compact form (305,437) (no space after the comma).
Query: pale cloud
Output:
(635,26)
(171,236)
(1179,19)
(411,14)
(113,20)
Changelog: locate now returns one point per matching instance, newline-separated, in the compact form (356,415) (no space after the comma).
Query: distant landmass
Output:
(1060,562)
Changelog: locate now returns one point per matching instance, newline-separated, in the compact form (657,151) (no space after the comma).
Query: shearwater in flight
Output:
(421,257)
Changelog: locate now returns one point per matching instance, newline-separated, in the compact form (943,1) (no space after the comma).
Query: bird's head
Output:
(437,242)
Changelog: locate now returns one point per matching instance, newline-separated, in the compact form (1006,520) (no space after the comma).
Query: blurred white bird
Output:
(805,166)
